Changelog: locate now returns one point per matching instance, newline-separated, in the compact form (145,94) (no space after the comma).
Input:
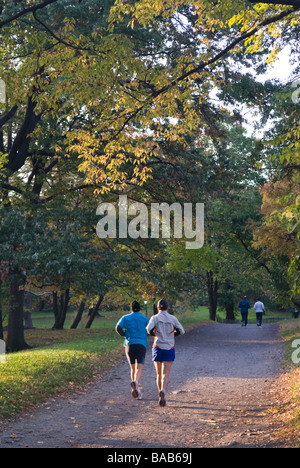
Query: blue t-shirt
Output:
(244,305)
(135,328)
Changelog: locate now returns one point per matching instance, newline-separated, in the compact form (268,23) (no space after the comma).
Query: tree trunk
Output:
(212,290)
(64,308)
(28,325)
(94,313)
(229,307)
(61,312)
(15,332)
(55,305)
(79,315)
(1,319)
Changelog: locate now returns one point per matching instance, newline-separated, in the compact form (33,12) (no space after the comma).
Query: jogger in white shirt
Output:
(259,309)
(163,327)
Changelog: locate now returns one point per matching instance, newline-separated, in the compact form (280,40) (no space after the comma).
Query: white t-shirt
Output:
(258,306)
(165,325)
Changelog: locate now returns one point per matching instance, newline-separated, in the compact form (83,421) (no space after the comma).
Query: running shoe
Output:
(162,398)
(134,391)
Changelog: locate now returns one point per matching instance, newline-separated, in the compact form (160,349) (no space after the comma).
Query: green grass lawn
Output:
(61,361)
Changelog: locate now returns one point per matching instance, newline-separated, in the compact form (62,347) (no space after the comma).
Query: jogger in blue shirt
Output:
(244,306)
(133,328)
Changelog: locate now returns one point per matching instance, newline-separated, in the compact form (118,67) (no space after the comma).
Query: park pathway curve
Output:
(222,386)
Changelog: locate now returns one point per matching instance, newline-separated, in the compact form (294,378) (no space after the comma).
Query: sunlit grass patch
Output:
(30,377)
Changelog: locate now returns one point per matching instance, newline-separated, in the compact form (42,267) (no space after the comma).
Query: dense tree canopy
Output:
(144,99)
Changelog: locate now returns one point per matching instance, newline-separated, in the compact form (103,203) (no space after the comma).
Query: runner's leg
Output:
(132,364)
(132,372)
(166,369)
(140,353)
(138,371)
(158,368)
(259,318)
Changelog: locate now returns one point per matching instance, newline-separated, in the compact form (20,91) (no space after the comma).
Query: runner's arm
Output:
(120,330)
(151,328)
(179,330)
(152,331)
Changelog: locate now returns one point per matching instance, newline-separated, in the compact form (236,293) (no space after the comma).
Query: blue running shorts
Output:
(163,355)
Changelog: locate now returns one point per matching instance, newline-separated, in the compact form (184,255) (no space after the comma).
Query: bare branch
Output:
(8,116)
(25,11)
(10,187)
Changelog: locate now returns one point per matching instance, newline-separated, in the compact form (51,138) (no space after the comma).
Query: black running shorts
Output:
(135,353)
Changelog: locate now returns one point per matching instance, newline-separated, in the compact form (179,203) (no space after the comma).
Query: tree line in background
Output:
(150,101)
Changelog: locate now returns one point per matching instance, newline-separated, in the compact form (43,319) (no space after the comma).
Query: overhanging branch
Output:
(295,3)
(227,49)
(203,65)
(25,11)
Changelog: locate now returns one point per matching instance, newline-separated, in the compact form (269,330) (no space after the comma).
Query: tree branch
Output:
(19,149)
(8,116)
(25,11)
(295,3)
(10,187)
(262,264)
(227,49)
(59,39)
(202,66)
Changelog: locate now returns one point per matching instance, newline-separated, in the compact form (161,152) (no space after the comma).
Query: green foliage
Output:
(116,99)
(279,233)
(124,75)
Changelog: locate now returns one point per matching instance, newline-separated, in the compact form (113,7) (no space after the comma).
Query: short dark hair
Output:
(162,304)
(135,306)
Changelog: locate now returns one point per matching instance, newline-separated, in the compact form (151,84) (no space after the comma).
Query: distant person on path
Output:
(133,328)
(164,327)
(296,313)
(244,306)
(259,309)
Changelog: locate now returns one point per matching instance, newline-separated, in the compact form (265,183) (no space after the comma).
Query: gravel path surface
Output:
(222,384)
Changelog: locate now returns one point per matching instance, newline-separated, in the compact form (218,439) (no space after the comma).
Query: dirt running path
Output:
(221,387)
